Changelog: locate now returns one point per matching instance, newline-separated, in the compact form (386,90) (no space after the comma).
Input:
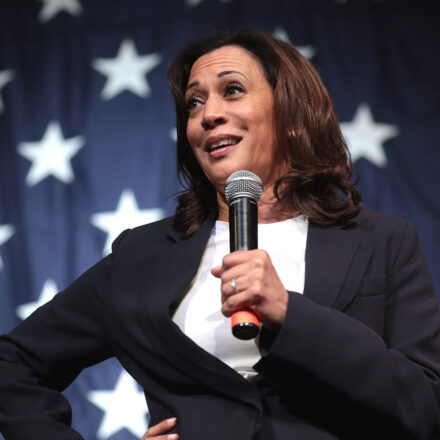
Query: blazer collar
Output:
(336,260)
(203,231)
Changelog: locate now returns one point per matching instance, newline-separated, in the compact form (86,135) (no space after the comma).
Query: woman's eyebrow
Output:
(228,72)
(220,75)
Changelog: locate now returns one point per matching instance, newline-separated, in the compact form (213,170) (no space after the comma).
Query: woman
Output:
(350,340)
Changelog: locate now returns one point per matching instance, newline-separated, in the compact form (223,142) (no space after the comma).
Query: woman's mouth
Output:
(220,145)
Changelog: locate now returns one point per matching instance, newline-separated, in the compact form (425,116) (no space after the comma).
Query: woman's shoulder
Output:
(378,225)
(379,219)
(152,233)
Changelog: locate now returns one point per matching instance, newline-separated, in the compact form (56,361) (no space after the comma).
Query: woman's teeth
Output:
(222,144)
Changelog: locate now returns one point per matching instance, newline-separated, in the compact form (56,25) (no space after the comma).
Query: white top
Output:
(199,314)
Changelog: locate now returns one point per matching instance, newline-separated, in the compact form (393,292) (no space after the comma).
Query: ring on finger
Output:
(234,285)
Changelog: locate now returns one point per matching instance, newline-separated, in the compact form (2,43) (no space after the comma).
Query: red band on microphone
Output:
(244,316)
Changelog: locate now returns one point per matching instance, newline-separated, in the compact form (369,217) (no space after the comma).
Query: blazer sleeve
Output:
(45,353)
(393,380)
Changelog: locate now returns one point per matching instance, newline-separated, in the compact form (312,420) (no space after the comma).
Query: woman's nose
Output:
(213,113)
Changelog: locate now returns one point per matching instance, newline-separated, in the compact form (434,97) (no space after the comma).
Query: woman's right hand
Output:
(159,431)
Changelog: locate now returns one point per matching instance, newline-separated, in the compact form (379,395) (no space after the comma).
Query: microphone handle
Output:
(243,235)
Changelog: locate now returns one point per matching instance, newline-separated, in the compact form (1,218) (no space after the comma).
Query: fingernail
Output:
(172,436)
(172,420)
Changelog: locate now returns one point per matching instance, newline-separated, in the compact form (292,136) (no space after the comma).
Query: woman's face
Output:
(231,117)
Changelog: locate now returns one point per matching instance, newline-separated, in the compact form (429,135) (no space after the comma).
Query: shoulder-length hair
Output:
(317,183)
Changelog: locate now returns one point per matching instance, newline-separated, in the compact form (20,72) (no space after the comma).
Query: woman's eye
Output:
(234,89)
(192,103)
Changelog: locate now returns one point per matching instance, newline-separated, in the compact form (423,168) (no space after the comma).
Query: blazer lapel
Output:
(336,261)
(180,262)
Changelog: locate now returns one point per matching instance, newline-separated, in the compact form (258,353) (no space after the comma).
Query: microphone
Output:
(243,190)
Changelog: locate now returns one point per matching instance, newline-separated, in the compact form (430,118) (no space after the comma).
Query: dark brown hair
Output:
(318,181)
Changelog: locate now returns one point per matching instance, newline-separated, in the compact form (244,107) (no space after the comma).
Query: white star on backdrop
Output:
(365,137)
(51,8)
(127,215)
(5,77)
(308,51)
(124,407)
(6,232)
(48,291)
(51,155)
(126,71)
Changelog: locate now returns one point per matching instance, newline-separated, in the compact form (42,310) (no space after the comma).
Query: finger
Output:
(234,258)
(243,274)
(240,301)
(217,271)
(238,257)
(239,268)
(160,428)
(227,287)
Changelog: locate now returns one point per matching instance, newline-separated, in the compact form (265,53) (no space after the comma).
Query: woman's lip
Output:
(213,140)
(219,152)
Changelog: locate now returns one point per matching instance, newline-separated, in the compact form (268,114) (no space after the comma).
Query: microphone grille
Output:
(243,183)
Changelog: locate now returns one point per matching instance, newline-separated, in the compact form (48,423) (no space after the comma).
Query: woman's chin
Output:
(219,179)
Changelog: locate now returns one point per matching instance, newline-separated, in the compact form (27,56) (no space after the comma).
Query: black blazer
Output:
(358,355)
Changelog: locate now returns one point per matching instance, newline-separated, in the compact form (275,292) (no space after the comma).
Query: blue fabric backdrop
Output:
(87,136)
